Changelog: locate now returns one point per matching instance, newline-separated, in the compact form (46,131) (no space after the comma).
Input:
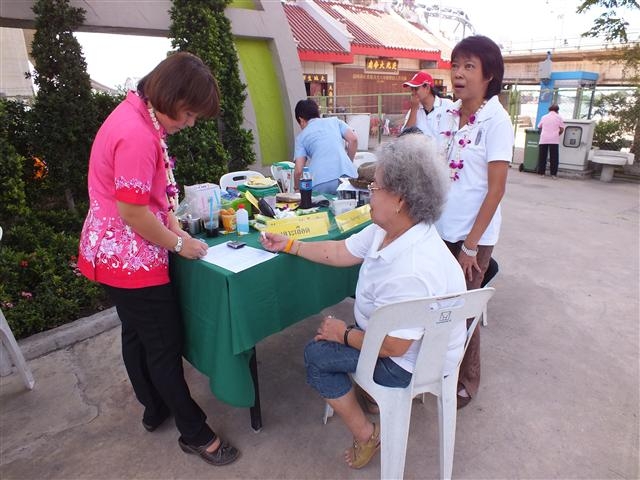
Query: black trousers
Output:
(152,342)
(554,156)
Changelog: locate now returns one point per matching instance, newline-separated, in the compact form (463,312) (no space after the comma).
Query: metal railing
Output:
(387,110)
(560,44)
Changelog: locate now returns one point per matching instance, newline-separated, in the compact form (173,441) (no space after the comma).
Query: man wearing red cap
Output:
(426,105)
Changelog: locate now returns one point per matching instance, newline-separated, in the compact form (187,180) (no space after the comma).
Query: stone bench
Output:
(610,159)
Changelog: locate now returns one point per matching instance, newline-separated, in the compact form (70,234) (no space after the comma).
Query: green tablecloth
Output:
(226,314)
(260,192)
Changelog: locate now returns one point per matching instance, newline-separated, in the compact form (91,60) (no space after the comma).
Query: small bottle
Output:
(306,186)
(242,220)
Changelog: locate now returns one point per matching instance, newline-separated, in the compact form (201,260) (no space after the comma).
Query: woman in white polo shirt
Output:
(477,138)
(402,258)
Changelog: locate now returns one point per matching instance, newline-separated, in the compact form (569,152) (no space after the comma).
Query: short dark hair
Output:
(490,57)
(307,109)
(554,108)
(181,81)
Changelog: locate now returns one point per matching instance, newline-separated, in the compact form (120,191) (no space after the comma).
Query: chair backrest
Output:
(364,157)
(437,316)
(233,179)
(282,172)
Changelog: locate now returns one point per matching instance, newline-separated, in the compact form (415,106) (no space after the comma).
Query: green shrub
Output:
(42,287)
(609,135)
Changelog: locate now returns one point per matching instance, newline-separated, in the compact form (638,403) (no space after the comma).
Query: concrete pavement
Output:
(559,395)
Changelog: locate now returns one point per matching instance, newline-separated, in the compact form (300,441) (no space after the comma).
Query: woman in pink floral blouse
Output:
(129,230)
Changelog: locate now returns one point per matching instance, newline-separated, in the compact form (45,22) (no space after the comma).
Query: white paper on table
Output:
(236,260)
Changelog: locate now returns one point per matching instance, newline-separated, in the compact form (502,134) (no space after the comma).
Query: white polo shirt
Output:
(430,123)
(490,139)
(417,264)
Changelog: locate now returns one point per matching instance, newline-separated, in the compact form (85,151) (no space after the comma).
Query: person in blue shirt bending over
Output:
(325,145)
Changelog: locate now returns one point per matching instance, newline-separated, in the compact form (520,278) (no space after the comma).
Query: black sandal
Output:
(224,455)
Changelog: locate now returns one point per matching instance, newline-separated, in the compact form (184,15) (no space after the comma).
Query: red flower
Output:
(24,263)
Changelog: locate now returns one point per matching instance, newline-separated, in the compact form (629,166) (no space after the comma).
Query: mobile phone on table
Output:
(235,244)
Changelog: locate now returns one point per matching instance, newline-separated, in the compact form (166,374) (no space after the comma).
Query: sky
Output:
(111,59)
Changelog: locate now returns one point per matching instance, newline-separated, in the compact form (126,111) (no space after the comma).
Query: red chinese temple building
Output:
(348,49)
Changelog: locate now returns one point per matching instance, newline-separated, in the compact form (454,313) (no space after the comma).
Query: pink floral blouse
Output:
(126,165)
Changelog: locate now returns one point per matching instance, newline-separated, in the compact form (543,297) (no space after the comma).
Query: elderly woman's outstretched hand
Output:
(273,241)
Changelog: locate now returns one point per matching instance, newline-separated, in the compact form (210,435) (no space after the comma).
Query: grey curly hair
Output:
(412,168)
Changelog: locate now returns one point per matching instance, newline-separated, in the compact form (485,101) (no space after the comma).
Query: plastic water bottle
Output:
(306,186)
(242,220)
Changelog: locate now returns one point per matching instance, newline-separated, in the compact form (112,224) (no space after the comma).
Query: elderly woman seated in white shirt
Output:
(402,258)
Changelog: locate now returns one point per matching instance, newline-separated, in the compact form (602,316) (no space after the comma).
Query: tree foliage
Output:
(64,119)
(610,24)
(13,203)
(212,147)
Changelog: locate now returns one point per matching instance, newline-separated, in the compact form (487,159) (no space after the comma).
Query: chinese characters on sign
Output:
(381,65)
(315,77)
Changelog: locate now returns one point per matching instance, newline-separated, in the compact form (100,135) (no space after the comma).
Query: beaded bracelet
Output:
(287,248)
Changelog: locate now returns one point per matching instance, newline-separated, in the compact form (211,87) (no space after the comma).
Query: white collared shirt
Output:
(429,123)
(491,139)
(417,264)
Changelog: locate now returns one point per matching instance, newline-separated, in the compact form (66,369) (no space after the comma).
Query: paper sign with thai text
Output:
(351,219)
(303,226)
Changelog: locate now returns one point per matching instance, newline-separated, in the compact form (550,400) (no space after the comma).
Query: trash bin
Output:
(530,162)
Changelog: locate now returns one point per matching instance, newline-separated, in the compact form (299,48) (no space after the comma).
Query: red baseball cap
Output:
(419,79)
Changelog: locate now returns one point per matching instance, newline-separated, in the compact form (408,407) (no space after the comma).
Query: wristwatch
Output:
(178,246)
(469,252)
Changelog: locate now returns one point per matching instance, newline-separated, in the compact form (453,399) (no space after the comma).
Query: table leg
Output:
(255,412)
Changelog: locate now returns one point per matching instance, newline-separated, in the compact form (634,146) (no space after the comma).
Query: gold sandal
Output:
(362,453)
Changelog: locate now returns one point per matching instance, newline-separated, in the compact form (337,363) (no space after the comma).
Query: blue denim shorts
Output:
(328,366)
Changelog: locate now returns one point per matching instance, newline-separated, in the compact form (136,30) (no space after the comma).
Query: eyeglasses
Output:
(373,188)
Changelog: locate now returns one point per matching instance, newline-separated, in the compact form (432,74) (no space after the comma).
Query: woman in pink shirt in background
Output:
(129,230)
(551,126)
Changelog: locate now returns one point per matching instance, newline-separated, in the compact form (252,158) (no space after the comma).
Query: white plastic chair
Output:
(491,272)
(233,179)
(9,345)
(282,172)
(438,316)
(364,157)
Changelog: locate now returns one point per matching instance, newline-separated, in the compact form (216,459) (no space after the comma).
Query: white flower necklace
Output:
(169,162)
(456,163)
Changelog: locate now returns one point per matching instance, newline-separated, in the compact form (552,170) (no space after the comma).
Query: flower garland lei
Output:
(169,163)
(457,163)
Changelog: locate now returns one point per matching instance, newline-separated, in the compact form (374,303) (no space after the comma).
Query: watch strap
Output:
(468,251)
(178,246)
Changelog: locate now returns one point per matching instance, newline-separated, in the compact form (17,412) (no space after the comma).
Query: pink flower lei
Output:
(169,162)
(456,163)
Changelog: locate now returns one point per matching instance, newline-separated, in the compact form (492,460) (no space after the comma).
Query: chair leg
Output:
(9,341)
(328,412)
(395,417)
(484,316)
(447,415)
